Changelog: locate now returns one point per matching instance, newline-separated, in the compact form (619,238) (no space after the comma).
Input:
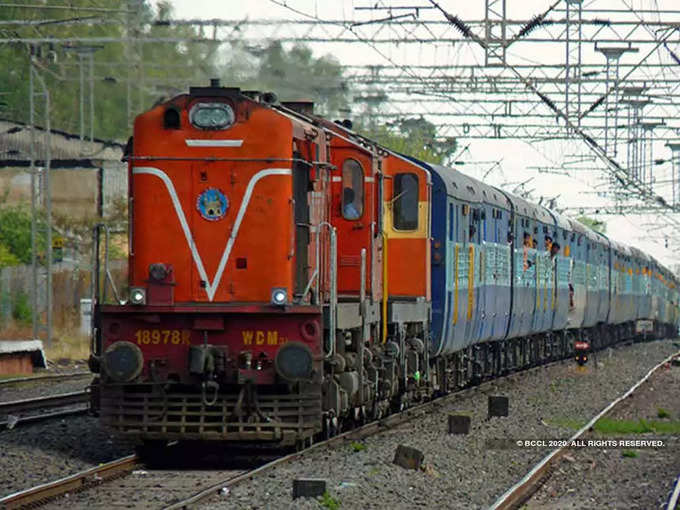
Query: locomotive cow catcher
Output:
(290,278)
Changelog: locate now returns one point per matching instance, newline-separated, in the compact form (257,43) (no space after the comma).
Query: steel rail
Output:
(93,476)
(35,496)
(48,402)
(529,483)
(46,377)
(674,498)
(23,420)
(366,430)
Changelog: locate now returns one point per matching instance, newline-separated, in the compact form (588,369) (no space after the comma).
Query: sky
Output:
(501,162)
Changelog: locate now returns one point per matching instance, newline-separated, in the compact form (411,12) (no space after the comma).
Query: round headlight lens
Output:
(279,297)
(158,271)
(212,115)
(294,361)
(123,361)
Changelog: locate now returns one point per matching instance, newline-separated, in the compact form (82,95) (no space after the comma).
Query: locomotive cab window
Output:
(352,190)
(405,201)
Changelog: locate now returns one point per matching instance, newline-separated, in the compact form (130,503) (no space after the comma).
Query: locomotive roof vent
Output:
(214,90)
(305,107)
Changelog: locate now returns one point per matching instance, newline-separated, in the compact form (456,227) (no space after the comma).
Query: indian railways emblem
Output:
(212,204)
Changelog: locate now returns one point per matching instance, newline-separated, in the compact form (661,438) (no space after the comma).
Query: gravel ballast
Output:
(42,388)
(45,451)
(620,476)
(459,471)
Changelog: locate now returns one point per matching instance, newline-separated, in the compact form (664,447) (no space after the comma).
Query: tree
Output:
(15,235)
(293,74)
(415,137)
(154,66)
(593,224)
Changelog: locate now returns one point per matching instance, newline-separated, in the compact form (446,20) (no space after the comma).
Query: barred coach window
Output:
(352,190)
(405,202)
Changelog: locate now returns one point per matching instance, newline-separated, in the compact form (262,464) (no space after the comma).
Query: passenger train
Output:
(290,278)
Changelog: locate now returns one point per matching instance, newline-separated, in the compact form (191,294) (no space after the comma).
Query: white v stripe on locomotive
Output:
(212,143)
(211,287)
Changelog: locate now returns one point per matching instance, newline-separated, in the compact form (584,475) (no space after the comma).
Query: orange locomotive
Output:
(257,262)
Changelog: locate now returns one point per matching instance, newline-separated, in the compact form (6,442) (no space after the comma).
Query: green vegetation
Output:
(293,75)
(629,453)
(15,235)
(21,311)
(158,70)
(612,426)
(328,501)
(415,137)
(663,413)
(567,423)
(7,258)
(357,447)
(161,63)
(593,224)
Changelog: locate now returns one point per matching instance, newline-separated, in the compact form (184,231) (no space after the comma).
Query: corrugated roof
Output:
(15,144)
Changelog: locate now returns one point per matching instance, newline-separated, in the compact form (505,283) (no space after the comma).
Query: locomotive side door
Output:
(352,214)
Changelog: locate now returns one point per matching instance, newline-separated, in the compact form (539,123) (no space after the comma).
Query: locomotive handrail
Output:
(333,301)
(96,291)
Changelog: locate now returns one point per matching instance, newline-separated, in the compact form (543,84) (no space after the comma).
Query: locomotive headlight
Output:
(279,296)
(123,361)
(294,361)
(212,115)
(158,271)
(138,295)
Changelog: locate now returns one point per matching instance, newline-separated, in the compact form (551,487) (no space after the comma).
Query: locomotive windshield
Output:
(406,201)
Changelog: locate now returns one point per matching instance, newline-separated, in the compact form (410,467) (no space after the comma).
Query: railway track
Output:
(43,378)
(42,408)
(79,481)
(674,498)
(166,482)
(521,491)
(196,488)
(371,428)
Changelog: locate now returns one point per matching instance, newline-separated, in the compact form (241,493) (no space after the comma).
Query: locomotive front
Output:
(221,336)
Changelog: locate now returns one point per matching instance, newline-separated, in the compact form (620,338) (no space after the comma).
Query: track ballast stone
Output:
(622,477)
(460,471)
(37,453)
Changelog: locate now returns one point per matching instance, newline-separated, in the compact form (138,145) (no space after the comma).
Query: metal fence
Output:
(70,284)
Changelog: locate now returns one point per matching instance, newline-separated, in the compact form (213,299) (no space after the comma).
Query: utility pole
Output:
(495,32)
(41,199)
(85,59)
(675,172)
(572,83)
(613,56)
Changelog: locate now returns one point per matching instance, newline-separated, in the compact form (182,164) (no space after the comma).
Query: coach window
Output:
(405,202)
(352,190)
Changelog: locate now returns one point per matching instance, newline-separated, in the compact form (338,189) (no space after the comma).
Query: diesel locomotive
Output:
(289,278)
